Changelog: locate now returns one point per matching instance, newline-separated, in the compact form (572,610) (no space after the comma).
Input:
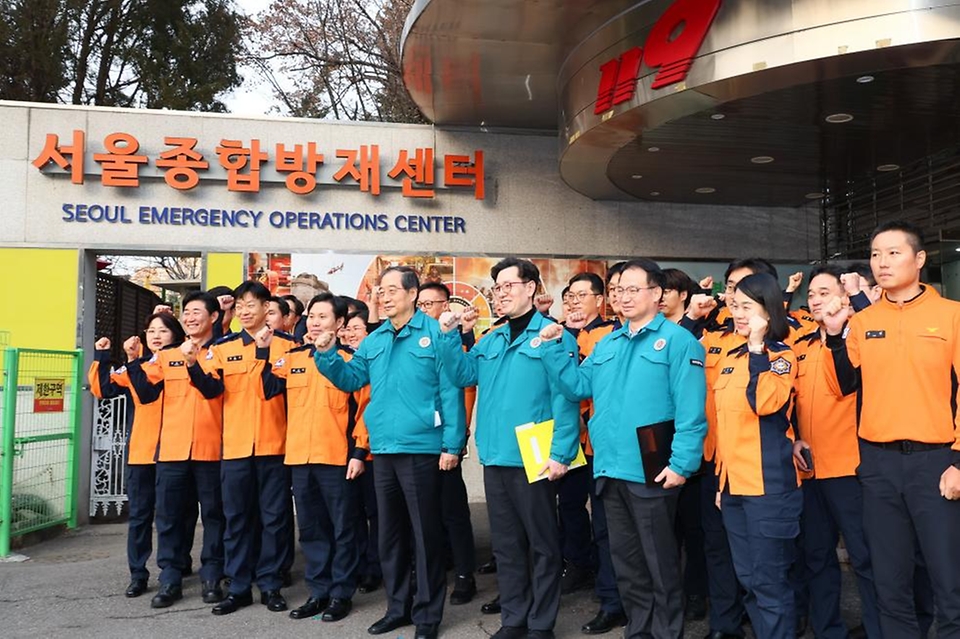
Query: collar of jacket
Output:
(653,325)
(925,293)
(415,322)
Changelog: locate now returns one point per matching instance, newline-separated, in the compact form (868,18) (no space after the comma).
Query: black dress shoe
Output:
(312,608)
(337,609)
(212,592)
(273,600)
(165,597)
(136,588)
(604,622)
(488,568)
(464,590)
(575,578)
(388,624)
(426,632)
(491,607)
(232,603)
(368,584)
(716,634)
(696,608)
(510,632)
(540,634)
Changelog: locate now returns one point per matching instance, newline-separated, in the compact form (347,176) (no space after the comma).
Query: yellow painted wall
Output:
(224,269)
(41,287)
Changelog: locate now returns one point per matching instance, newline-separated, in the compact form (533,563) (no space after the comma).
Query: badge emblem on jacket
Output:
(781,366)
(424,342)
(660,344)
(535,342)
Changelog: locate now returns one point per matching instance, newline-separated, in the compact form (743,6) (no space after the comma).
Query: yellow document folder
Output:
(535,441)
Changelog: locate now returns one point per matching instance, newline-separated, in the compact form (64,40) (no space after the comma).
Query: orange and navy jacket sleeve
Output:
(845,349)
(772,376)
(273,376)
(98,376)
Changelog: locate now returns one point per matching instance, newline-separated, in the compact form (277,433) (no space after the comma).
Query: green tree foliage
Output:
(173,54)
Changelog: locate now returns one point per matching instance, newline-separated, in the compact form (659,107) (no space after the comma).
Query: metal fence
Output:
(40,432)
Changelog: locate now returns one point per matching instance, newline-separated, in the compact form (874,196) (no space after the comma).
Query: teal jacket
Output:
(655,376)
(413,408)
(512,389)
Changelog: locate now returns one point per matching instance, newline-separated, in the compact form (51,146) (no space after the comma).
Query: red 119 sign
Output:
(673,57)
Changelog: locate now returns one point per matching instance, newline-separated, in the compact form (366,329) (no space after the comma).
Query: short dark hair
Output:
(337,303)
(295,304)
(252,287)
(170,322)
(209,301)
(863,270)
(281,304)
(217,291)
(526,269)
(833,270)
(563,293)
(434,286)
(596,282)
(409,279)
(764,289)
(615,269)
(362,313)
(755,265)
(654,274)
(913,232)
(676,280)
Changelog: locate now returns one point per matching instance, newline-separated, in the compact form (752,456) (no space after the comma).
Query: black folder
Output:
(656,446)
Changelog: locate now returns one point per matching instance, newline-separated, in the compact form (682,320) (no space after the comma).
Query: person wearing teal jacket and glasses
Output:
(512,389)
(648,373)
(417,429)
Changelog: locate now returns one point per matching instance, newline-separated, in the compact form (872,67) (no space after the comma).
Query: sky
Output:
(253,97)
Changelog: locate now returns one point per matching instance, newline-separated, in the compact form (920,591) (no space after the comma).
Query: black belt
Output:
(907,446)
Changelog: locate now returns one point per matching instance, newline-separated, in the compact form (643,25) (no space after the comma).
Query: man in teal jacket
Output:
(414,416)
(513,389)
(649,372)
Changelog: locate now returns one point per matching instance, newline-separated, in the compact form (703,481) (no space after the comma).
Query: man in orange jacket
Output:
(903,353)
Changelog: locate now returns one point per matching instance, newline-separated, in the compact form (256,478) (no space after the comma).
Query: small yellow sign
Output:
(535,441)
(48,395)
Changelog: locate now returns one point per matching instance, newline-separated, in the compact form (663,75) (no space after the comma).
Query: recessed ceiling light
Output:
(762,159)
(705,189)
(865,79)
(653,149)
(654,193)
(838,118)
(636,176)
(814,196)
(888,167)
(957,249)
(717,116)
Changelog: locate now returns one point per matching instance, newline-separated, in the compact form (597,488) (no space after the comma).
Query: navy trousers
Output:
(902,508)
(690,538)
(763,531)
(726,601)
(255,488)
(575,534)
(832,507)
(326,517)
(180,485)
(605,586)
(455,511)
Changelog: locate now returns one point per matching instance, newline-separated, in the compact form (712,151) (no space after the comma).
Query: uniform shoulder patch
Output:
(279,363)
(696,362)
(781,366)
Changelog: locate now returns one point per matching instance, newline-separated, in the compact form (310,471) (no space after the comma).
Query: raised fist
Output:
(835,315)
(189,350)
(706,283)
(165,309)
(132,348)
(226,302)
(449,320)
(263,337)
(325,341)
(551,332)
(700,306)
(758,329)
(576,320)
(794,282)
(102,344)
(851,283)
(543,303)
(469,319)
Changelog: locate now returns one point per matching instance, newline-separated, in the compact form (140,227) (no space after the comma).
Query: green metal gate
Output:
(39,438)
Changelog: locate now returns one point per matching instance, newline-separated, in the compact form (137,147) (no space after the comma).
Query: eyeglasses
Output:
(582,295)
(390,291)
(632,290)
(426,305)
(506,287)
